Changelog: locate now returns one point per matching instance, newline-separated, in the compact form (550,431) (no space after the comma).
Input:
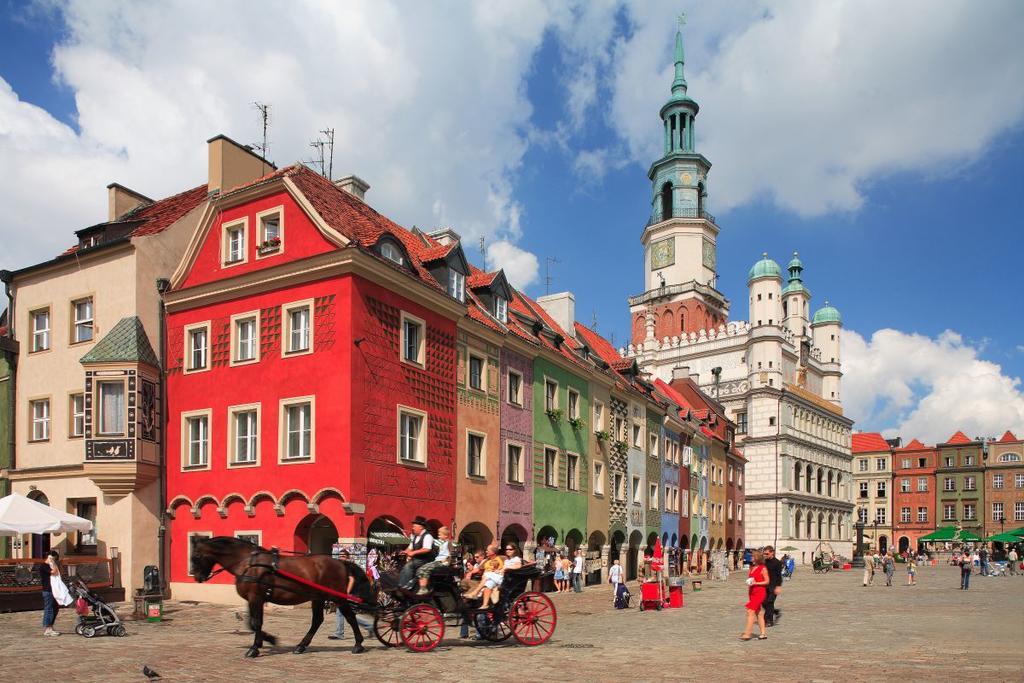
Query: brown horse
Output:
(258,581)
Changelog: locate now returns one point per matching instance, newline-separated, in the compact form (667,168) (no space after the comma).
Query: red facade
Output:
(349,378)
(913,469)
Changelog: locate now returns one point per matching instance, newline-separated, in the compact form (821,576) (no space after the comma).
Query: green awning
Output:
(1017,532)
(1005,538)
(950,534)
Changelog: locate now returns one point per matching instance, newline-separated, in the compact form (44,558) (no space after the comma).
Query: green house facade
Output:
(561,468)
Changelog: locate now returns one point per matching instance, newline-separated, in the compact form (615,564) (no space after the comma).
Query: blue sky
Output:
(906,215)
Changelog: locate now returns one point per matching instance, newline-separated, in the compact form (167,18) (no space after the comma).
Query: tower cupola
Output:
(796,299)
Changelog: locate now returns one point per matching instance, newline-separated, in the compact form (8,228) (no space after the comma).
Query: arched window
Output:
(700,199)
(810,479)
(797,469)
(796,527)
(1009,457)
(810,524)
(831,491)
(666,201)
(821,481)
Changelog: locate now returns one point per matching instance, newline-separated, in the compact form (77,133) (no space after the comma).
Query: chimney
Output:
(561,307)
(232,164)
(680,372)
(446,236)
(354,185)
(121,200)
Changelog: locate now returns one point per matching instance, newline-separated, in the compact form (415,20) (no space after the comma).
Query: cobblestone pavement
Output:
(832,629)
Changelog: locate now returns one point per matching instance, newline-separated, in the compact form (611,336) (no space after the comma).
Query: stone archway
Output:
(904,544)
(475,536)
(315,534)
(636,539)
(883,544)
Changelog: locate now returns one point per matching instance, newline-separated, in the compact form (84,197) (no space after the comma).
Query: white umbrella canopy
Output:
(21,515)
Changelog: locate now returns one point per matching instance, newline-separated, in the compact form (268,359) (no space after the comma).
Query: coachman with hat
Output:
(420,551)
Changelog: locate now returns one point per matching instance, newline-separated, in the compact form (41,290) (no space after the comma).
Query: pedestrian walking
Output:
(757,580)
(1012,558)
(911,570)
(772,615)
(559,574)
(55,591)
(965,571)
(869,570)
(577,572)
(983,560)
(889,567)
(339,617)
(615,578)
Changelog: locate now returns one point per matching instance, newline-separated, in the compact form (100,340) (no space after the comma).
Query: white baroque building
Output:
(778,375)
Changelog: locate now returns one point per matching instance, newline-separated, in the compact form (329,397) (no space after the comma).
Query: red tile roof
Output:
(1008,437)
(869,442)
(914,445)
(672,394)
(959,437)
(480,279)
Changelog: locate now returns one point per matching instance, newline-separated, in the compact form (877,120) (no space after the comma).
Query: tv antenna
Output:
(593,320)
(264,110)
(483,249)
(548,260)
(329,142)
(318,146)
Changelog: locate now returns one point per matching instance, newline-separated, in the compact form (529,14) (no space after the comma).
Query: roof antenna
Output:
(264,110)
(593,320)
(483,250)
(548,260)
(329,135)
(318,145)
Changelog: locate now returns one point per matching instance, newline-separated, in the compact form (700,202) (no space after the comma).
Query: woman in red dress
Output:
(758,582)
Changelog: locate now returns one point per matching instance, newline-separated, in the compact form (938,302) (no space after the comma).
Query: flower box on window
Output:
(270,246)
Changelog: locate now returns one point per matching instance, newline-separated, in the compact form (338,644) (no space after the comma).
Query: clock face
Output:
(709,255)
(663,253)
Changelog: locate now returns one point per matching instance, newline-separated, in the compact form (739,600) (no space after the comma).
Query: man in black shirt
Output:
(774,567)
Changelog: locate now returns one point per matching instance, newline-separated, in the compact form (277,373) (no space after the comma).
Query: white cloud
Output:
(806,103)
(915,386)
(429,106)
(520,266)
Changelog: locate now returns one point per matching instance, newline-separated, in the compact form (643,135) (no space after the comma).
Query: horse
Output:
(258,582)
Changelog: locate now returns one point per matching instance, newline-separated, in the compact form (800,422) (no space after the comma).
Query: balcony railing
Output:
(683,213)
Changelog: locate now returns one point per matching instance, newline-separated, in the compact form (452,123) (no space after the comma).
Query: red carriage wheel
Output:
(386,627)
(497,631)
(532,618)
(422,627)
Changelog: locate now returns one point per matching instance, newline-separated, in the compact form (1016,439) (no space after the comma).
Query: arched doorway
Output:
(315,534)
(618,538)
(40,542)
(666,201)
(635,539)
(475,536)
(595,545)
(515,534)
(573,540)
(904,544)
(547,535)
(652,538)
(883,544)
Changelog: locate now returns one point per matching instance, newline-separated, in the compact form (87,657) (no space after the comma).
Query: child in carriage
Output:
(443,546)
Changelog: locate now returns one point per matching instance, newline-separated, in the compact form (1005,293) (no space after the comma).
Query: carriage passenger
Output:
(442,545)
(419,552)
(493,573)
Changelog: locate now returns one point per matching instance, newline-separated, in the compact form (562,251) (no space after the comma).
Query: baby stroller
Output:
(622,596)
(94,615)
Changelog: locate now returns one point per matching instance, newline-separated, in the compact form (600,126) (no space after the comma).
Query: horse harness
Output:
(273,568)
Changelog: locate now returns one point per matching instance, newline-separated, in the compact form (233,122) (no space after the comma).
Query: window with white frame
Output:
(949,484)
(1018,481)
(905,514)
(637,493)
(728,507)
(246,343)
(475,466)
(196,430)
(684,506)
(111,403)
(598,478)
(39,410)
(880,464)
(413,339)
(862,465)
(392,253)
(741,422)
(1009,457)
(997,512)
(948,512)
(412,436)
(880,515)
(254,537)
(654,444)
(298,418)
(572,472)
(514,463)
(550,395)
(618,486)
(906,463)
(501,309)
(970,483)
(904,486)
(652,496)
(40,329)
(922,514)
(198,344)
(970,511)
(968,460)
(863,489)
(739,512)
(550,467)
(234,243)
(298,329)
(997,481)
(82,320)
(515,388)
(270,233)
(1018,512)
(862,515)
(949,461)
(730,473)
(76,415)
(456,284)
(574,404)
(477,370)
(882,489)
(636,436)
(922,483)
(245,435)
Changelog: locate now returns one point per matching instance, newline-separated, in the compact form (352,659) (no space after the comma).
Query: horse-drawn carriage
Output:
(401,616)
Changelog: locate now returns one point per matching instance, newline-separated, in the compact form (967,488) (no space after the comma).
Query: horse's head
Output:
(203,560)
(223,550)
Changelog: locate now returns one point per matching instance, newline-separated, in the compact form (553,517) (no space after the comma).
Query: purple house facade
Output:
(515,494)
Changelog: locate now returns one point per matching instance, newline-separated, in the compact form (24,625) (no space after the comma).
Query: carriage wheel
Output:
(496,630)
(385,627)
(532,618)
(421,627)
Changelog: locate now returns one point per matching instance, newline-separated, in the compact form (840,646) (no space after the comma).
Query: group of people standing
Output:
(886,564)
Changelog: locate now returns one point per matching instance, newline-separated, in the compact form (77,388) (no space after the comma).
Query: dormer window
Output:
(270,231)
(456,284)
(501,309)
(392,253)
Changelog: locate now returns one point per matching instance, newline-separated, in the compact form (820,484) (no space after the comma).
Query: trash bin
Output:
(696,585)
(154,610)
(675,596)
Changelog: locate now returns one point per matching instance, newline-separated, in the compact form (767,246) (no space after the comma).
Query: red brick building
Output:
(311,371)
(913,494)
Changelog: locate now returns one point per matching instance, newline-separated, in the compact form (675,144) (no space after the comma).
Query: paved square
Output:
(832,629)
